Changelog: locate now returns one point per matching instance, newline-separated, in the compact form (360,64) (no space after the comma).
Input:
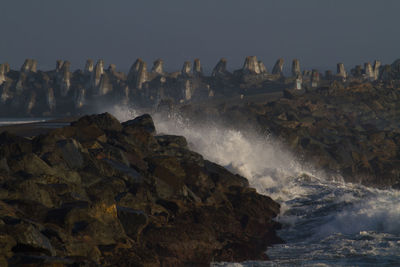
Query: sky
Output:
(320,33)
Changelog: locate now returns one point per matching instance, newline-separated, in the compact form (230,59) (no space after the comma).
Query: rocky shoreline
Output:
(100,192)
(350,132)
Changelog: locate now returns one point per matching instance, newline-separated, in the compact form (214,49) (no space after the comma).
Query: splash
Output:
(325,222)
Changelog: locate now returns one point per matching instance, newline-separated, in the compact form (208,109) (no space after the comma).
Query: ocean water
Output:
(13,121)
(326,222)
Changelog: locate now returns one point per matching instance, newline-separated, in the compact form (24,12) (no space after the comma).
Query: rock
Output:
(97,74)
(278,67)
(197,69)
(341,71)
(2,74)
(89,66)
(30,65)
(220,69)
(296,68)
(369,73)
(98,192)
(71,153)
(80,98)
(105,86)
(315,78)
(376,68)
(144,122)
(59,65)
(186,69)
(104,121)
(138,74)
(133,221)
(251,65)
(262,67)
(65,79)
(158,67)
(29,239)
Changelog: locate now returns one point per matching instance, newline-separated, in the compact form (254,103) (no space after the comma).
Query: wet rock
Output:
(104,121)
(144,121)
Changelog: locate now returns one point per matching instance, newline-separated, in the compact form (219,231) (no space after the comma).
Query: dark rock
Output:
(144,122)
(104,121)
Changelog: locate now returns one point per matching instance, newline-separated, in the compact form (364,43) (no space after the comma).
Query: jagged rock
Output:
(112,68)
(30,65)
(186,69)
(369,73)
(251,65)
(299,82)
(377,65)
(296,68)
(65,79)
(105,85)
(89,66)
(262,67)
(80,97)
(50,99)
(59,65)
(278,67)
(104,121)
(31,102)
(315,78)
(158,67)
(2,74)
(188,89)
(144,122)
(138,74)
(6,67)
(132,220)
(341,72)
(197,69)
(220,69)
(97,74)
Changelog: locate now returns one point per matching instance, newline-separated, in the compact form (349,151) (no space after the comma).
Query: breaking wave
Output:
(325,222)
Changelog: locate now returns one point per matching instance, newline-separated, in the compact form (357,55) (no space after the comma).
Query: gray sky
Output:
(318,32)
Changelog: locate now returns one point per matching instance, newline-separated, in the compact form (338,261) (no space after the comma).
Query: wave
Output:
(325,222)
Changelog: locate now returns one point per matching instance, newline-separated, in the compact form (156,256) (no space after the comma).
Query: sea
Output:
(325,221)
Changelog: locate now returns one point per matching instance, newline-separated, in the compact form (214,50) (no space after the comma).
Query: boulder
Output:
(144,122)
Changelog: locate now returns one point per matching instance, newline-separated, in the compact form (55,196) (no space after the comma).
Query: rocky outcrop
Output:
(296,68)
(186,69)
(251,65)
(30,65)
(350,132)
(220,69)
(89,67)
(197,69)
(102,193)
(158,67)
(341,72)
(137,74)
(278,67)
(57,91)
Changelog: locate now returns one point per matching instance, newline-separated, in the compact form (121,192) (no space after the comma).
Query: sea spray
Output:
(325,222)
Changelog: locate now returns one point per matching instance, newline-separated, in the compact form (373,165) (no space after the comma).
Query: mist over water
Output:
(325,222)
